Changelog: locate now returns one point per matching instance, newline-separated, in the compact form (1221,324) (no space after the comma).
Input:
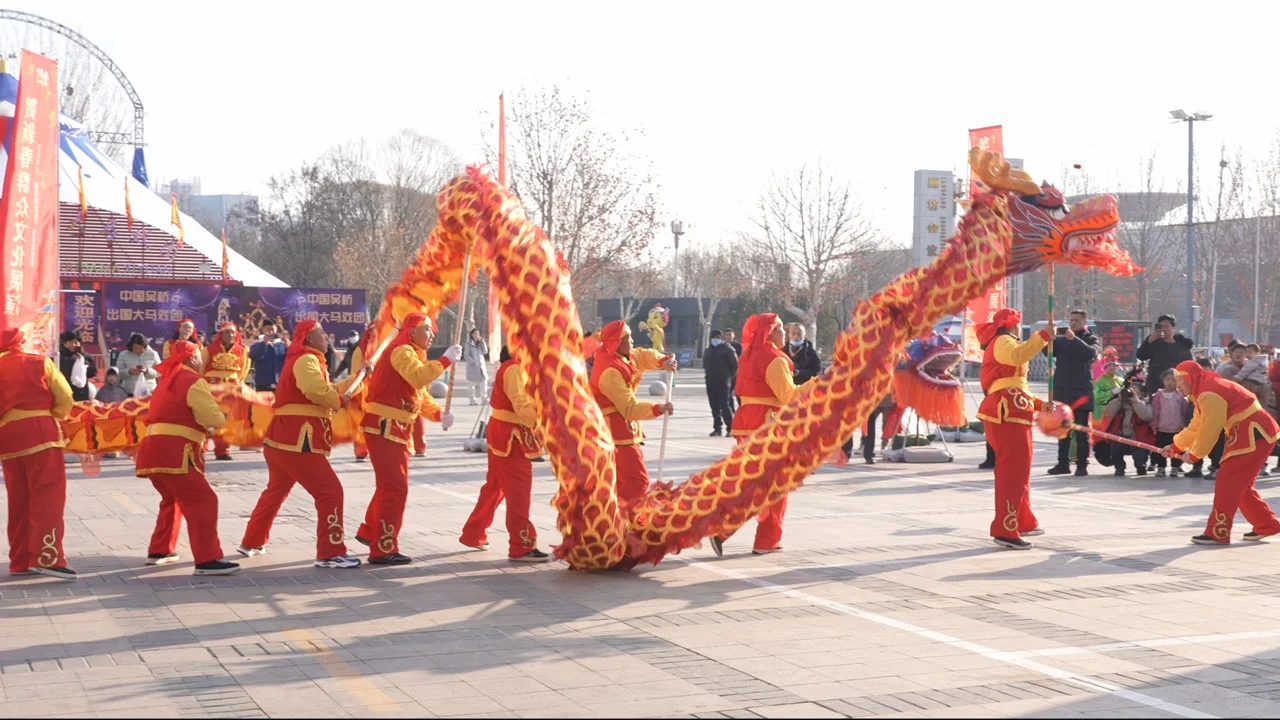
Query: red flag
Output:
(226,261)
(29,208)
(982,308)
(176,219)
(128,206)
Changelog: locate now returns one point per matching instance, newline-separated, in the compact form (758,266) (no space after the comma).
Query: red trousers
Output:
(511,478)
(361,444)
(632,475)
(1234,488)
(1012,444)
(220,448)
(36,485)
(313,472)
(383,519)
(420,435)
(768,522)
(188,494)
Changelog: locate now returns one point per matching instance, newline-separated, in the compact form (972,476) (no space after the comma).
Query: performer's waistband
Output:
(20,414)
(304,410)
(1010,383)
(175,430)
(1231,421)
(510,417)
(767,402)
(386,411)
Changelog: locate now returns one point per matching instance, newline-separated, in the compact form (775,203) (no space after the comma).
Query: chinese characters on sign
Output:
(934,214)
(28,212)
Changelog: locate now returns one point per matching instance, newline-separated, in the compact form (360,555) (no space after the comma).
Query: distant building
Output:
(214,211)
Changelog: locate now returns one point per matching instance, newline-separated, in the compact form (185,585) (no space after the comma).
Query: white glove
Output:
(446,419)
(454,353)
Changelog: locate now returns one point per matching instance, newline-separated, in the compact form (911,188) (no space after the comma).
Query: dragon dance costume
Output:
(614,379)
(171,456)
(1007,413)
(513,443)
(1224,407)
(34,397)
(397,397)
(225,364)
(297,447)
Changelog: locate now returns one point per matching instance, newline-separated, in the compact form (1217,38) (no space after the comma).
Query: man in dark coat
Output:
(1163,349)
(71,351)
(721,364)
(1074,350)
(803,356)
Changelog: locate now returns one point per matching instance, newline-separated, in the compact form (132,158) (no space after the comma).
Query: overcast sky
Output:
(725,93)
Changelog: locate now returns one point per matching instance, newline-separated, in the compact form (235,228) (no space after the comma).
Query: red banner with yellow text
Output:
(29,208)
(981,308)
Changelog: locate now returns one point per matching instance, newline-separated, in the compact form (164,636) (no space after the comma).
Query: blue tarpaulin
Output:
(140,167)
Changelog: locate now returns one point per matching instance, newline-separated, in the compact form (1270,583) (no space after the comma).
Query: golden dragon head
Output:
(1046,229)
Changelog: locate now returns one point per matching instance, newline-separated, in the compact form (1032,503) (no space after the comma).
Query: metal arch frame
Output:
(101,55)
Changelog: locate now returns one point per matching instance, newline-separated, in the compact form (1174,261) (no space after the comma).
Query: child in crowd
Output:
(1169,410)
(113,391)
(1104,388)
(1129,417)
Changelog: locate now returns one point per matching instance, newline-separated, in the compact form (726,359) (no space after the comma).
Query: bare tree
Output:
(594,200)
(807,227)
(1147,240)
(89,93)
(1214,239)
(1267,201)
(711,274)
(633,285)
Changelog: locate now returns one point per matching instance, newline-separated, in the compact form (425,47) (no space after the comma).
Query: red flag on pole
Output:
(29,208)
(128,206)
(226,260)
(84,204)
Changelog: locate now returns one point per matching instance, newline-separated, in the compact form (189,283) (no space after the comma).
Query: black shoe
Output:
(161,558)
(392,559)
(987,465)
(1012,543)
(1082,471)
(361,459)
(1205,540)
(540,458)
(870,460)
(1142,471)
(767,552)
(1194,473)
(217,567)
(533,556)
(1119,472)
(62,573)
(420,454)
(717,546)
(1255,536)
(362,541)
(717,433)
(1059,469)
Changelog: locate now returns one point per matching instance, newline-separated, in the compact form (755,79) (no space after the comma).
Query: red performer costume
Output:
(1007,412)
(186,331)
(1222,406)
(764,384)
(34,396)
(615,376)
(396,397)
(355,409)
(513,443)
(171,456)
(226,360)
(298,442)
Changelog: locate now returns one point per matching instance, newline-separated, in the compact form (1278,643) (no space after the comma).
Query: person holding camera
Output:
(1163,350)
(1128,416)
(1074,350)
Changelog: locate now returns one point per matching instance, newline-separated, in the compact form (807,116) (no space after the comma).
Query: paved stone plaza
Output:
(890,600)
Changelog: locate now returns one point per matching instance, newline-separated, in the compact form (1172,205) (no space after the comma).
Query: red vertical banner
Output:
(29,208)
(496,338)
(982,308)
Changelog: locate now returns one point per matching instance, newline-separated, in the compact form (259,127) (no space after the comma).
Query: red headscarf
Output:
(755,336)
(1194,373)
(411,321)
(610,338)
(180,351)
(298,345)
(194,331)
(217,339)
(366,340)
(11,340)
(1004,319)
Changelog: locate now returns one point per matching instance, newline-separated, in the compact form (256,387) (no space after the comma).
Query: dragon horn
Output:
(996,173)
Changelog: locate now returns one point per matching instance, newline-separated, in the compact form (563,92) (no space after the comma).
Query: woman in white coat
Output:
(473,354)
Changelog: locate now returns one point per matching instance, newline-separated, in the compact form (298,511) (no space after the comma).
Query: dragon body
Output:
(479,217)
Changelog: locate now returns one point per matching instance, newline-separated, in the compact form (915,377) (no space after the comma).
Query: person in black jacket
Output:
(731,339)
(1074,350)
(1163,350)
(803,355)
(721,365)
(70,351)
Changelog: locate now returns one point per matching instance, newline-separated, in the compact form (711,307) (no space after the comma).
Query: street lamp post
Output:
(677,229)
(1190,120)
